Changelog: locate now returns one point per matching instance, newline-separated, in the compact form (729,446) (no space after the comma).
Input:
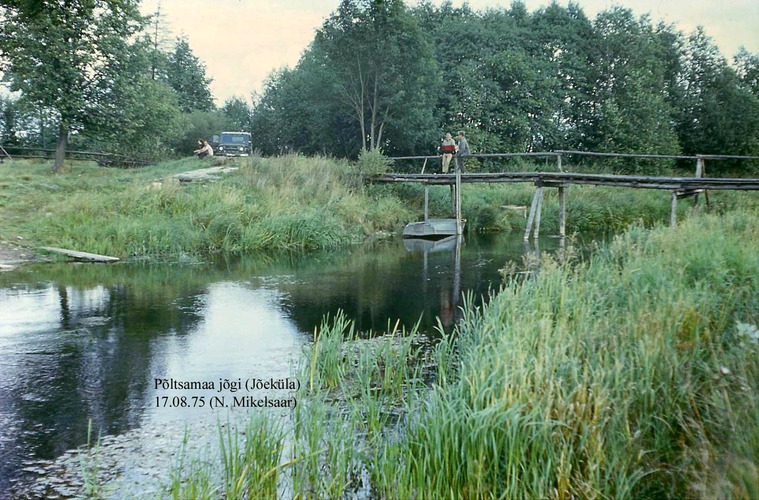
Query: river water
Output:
(85,348)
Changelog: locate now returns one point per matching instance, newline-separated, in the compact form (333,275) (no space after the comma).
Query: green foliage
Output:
(373,162)
(368,79)
(383,66)
(238,113)
(287,203)
(186,74)
(720,112)
(67,57)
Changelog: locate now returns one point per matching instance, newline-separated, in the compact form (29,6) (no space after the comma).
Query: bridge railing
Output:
(559,155)
(429,160)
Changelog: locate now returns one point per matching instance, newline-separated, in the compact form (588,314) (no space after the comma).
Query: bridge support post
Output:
(534,216)
(673,212)
(562,213)
(538,214)
(426,201)
(459,226)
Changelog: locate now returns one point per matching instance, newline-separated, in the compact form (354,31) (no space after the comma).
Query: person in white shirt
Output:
(205,150)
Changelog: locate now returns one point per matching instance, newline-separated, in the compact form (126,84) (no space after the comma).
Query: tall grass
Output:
(292,202)
(631,375)
(621,378)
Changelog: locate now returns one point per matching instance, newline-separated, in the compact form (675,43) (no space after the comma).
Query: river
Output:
(85,348)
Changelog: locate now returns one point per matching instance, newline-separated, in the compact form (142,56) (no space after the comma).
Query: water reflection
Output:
(80,342)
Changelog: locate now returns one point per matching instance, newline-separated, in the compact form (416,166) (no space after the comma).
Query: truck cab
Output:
(232,144)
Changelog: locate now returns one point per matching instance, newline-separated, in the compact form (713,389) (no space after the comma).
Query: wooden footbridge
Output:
(678,186)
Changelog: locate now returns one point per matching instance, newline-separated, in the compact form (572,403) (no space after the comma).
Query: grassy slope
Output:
(283,203)
(290,202)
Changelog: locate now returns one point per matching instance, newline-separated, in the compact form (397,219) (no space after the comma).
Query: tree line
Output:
(381,75)
(96,74)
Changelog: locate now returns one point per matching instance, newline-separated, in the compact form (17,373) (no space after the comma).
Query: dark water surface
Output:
(83,343)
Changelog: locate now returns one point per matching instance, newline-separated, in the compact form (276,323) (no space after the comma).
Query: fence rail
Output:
(102,158)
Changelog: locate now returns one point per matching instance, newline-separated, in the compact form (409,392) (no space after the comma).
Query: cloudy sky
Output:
(242,41)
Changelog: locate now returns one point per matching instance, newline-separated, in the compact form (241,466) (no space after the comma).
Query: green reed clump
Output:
(358,389)
(90,466)
(326,357)
(190,477)
(617,378)
(251,464)
(325,449)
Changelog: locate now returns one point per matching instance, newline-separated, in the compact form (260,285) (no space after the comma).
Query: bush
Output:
(373,162)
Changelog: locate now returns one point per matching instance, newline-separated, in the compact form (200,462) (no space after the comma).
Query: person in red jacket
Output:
(448,149)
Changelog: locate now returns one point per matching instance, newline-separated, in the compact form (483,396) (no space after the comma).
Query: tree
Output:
(630,112)
(186,74)
(296,112)
(8,121)
(564,39)
(66,56)
(158,39)
(720,112)
(747,65)
(384,67)
(238,112)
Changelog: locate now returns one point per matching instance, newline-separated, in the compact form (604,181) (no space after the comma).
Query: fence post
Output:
(459,228)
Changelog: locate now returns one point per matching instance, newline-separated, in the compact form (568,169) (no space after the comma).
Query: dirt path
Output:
(204,174)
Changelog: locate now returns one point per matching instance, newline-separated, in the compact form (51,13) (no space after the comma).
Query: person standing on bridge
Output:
(448,149)
(462,152)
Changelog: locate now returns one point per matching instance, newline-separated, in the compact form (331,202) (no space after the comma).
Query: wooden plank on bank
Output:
(89,257)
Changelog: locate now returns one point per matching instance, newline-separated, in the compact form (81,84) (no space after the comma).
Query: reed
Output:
(251,465)
(616,378)
(190,477)
(90,466)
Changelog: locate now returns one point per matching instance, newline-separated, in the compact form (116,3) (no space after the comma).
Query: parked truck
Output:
(232,144)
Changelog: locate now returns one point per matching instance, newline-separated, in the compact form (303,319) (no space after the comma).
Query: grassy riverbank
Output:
(284,203)
(631,375)
(273,204)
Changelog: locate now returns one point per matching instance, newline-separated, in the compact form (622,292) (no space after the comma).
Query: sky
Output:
(242,41)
